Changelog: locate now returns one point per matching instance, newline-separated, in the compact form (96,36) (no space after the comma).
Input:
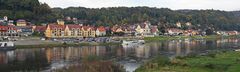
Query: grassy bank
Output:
(214,62)
(93,66)
(184,37)
(64,45)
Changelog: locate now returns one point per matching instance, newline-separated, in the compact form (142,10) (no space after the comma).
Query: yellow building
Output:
(88,31)
(21,22)
(55,31)
(74,31)
(69,31)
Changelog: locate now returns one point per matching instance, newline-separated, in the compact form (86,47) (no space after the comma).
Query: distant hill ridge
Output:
(36,12)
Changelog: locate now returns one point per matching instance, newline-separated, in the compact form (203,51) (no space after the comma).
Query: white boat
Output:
(132,42)
(237,50)
(7,45)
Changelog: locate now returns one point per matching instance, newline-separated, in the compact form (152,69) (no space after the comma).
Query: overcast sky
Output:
(228,5)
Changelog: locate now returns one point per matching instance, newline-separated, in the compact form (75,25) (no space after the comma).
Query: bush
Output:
(161,60)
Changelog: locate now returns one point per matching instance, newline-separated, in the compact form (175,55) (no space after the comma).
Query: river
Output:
(130,57)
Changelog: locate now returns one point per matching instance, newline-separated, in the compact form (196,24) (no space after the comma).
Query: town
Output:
(119,36)
(60,30)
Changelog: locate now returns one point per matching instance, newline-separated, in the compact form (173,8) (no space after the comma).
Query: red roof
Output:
(40,28)
(175,30)
(154,29)
(231,32)
(6,28)
(56,26)
(101,29)
(88,27)
(3,28)
(71,26)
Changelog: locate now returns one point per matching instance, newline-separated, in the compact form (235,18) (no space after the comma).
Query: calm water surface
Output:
(131,57)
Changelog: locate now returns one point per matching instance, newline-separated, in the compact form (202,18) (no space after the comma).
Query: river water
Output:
(130,57)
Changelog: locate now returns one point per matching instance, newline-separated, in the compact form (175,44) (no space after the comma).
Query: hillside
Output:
(218,20)
(37,12)
(31,10)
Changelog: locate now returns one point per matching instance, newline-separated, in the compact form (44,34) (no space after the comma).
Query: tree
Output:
(209,32)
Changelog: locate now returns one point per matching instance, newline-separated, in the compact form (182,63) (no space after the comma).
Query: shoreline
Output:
(147,39)
(162,38)
(64,45)
(216,61)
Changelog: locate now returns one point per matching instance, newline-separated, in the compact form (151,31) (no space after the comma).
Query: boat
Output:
(237,50)
(132,42)
(7,46)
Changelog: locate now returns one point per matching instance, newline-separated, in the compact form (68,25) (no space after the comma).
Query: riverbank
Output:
(64,45)
(37,43)
(213,62)
(185,37)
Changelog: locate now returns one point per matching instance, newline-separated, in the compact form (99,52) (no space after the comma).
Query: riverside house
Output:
(101,31)
(24,30)
(129,30)
(88,31)
(231,32)
(60,30)
(146,29)
(143,29)
(8,31)
(39,29)
(154,30)
(191,32)
(21,22)
(116,29)
(174,31)
(227,33)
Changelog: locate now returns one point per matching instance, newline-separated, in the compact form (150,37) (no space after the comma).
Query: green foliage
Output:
(36,12)
(31,10)
(221,62)
(202,19)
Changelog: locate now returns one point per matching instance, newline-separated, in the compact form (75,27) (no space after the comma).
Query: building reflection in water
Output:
(45,57)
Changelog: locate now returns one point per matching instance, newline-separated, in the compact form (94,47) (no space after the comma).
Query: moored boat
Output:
(7,46)
(237,50)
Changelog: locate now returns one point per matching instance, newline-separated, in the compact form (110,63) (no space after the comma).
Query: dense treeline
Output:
(31,10)
(218,20)
(41,12)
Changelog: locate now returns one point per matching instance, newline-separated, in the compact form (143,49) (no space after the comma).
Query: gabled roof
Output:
(154,29)
(231,32)
(56,26)
(85,28)
(74,26)
(101,29)
(21,20)
(6,28)
(3,28)
(40,28)
(175,30)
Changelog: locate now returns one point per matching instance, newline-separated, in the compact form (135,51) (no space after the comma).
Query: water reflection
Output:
(129,56)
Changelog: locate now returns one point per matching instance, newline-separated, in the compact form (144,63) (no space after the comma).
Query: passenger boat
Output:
(7,46)
(132,42)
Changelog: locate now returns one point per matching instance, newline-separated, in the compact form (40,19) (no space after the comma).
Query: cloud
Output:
(173,4)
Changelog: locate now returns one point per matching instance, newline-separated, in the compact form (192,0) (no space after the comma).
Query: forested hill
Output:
(37,12)
(220,20)
(31,10)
